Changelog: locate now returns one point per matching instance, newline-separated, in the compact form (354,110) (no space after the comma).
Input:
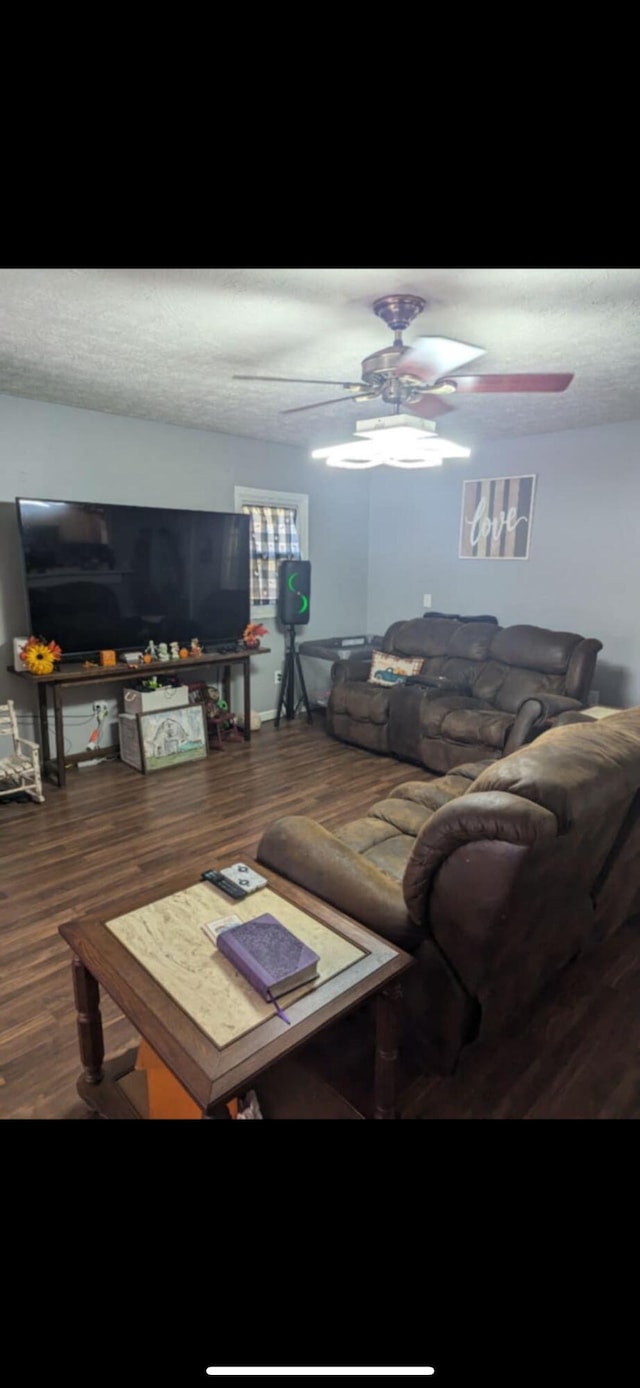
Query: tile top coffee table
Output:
(198,1014)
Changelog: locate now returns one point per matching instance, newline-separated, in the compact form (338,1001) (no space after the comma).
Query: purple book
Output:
(269,956)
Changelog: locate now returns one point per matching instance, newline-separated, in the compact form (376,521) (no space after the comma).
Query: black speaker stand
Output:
(287,698)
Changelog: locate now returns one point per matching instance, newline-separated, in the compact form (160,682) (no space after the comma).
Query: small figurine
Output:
(152,650)
(183,653)
(163,651)
(196,648)
(175,650)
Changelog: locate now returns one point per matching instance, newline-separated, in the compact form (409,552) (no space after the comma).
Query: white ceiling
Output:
(164,344)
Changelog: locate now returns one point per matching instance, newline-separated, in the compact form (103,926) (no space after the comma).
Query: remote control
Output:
(224,884)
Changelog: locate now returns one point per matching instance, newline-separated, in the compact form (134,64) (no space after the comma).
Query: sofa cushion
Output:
(434,712)
(407,816)
(364,702)
(392,669)
(477,725)
(382,842)
(440,791)
(365,833)
(391,856)
(519,685)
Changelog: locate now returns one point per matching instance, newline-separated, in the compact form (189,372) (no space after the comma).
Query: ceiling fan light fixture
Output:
(392,441)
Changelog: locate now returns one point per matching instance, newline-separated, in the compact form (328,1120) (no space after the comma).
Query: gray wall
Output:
(56,451)
(583,571)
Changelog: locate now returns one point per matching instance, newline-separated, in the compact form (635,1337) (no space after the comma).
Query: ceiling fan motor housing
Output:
(399,310)
(378,373)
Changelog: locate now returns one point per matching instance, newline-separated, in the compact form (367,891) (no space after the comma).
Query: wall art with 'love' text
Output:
(496,518)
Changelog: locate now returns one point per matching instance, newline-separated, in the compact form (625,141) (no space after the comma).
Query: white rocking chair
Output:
(20,771)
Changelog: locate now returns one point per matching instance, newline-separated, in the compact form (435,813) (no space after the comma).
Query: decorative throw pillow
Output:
(392,669)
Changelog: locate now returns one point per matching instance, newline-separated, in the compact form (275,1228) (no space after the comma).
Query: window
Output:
(279,530)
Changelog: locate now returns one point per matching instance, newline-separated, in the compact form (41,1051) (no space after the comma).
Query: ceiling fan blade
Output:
(302,380)
(429,407)
(337,400)
(430,358)
(548,381)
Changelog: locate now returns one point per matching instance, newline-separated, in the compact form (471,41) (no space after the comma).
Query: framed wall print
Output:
(497,514)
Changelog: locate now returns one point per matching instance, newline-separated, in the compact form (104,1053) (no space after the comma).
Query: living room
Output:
(120,389)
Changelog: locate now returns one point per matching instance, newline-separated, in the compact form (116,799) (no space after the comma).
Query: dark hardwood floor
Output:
(576,1055)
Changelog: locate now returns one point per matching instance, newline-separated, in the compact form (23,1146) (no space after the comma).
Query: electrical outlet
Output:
(101,707)
(594,697)
(277,679)
(426,601)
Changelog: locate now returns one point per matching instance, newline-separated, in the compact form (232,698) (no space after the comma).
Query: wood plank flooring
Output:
(577,1055)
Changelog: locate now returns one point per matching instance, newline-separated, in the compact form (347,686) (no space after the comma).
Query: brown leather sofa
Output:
(493,877)
(483,690)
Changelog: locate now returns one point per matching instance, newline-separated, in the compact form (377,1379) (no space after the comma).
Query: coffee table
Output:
(215,1070)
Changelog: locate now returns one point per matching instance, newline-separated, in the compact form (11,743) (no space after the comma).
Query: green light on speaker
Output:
(304,601)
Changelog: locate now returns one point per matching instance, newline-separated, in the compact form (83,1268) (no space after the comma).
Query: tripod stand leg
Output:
(283,685)
(303,688)
(290,697)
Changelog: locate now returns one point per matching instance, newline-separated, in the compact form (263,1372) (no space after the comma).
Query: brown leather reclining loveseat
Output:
(493,877)
(483,690)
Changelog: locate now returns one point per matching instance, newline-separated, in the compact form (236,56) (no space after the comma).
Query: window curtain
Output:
(274,536)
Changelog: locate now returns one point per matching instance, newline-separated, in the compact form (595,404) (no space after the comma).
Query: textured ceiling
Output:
(165,344)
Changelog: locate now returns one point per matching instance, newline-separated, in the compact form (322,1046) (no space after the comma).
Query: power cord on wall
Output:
(78,719)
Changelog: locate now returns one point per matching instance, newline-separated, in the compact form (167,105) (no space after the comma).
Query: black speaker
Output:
(294,592)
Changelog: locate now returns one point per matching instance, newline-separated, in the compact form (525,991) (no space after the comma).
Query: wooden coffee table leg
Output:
(388,1005)
(87,1000)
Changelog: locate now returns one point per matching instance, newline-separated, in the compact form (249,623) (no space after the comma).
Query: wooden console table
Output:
(73,676)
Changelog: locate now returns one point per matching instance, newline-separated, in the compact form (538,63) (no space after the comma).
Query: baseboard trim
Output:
(269,716)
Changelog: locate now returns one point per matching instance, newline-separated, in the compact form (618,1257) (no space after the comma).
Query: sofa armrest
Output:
(553,704)
(346,670)
(543,707)
(476,816)
(307,853)
(534,715)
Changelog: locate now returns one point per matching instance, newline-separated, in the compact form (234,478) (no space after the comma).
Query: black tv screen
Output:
(115,577)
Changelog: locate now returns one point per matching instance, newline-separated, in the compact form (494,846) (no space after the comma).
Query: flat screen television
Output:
(115,577)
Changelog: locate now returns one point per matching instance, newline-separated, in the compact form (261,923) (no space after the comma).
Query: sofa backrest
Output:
(576,772)
(525,660)
(503,665)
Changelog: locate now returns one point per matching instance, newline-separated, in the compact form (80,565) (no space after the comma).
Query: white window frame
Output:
(257,496)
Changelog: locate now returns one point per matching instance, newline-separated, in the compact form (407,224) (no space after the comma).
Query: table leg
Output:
(87,999)
(226,685)
(246,674)
(387,1041)
(44,725)
(57,713)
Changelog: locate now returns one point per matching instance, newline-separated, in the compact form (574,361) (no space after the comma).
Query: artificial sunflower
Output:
(39,656)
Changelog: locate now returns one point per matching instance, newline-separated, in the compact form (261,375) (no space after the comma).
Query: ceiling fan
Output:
(416,377)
